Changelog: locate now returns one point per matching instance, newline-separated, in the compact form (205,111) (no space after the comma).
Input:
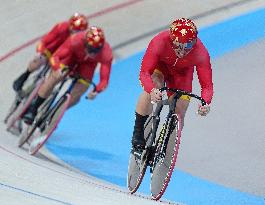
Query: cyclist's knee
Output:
(79,89)
(74,100)
(144,106)
(144,97)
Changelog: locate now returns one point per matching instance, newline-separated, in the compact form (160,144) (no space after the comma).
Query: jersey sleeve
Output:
(105,69)
(148,66)
(204,72)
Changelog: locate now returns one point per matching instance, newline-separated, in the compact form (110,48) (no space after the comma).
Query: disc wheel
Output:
(165,157)
(137,165)
(49,124)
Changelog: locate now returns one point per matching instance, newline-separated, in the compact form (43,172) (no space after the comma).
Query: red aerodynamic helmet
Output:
(78,22)
(95,39)
(183,33)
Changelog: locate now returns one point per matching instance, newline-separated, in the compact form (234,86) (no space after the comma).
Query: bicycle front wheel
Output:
(28,132)
(165,157)
(137,165)
(50,123)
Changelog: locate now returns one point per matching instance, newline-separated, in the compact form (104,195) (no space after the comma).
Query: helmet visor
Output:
(93,50)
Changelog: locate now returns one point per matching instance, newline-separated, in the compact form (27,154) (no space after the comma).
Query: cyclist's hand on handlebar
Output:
(92,95)
(203,110)
(156,95)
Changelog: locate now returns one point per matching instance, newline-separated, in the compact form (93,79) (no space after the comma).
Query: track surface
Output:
(226,148)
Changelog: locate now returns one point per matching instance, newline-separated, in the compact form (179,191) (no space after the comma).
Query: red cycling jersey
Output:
(73,52)
(178,72)
(54,38)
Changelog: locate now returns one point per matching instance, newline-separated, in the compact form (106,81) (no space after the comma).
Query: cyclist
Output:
(171,56)
(50,42)
(81,52)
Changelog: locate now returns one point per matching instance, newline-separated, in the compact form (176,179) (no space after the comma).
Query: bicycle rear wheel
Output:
(29,94)
(165,157)
(137,166)
(50,123)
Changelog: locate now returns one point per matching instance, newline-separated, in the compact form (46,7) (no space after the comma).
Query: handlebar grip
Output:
(94,88)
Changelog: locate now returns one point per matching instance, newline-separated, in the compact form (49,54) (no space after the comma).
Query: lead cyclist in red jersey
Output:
(81,52)
(171,57)
(50,42)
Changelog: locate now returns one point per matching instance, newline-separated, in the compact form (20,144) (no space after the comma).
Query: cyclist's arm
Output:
(105,61)
(48,39)
(149,62)
(104,77)
(204,72)
(63,56)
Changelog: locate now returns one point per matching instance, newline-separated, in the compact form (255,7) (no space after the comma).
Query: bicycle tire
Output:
(25,103)
(136,168)
(55,115)
(38,120)
(27,134)
(164,166)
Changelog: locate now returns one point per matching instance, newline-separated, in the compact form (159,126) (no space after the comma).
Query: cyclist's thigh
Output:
(83,83)
(37,61)
(80,88)
(55,76)
(182,105)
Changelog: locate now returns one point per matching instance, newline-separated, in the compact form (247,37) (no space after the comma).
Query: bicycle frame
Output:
(55,94)
(156,115)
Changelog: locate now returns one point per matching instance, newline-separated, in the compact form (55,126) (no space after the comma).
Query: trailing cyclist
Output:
(81,53)
(50,42)
(171,57)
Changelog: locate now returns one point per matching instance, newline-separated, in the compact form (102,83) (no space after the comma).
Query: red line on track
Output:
(99,13)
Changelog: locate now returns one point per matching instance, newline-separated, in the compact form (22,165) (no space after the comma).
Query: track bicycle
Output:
(161,148)
(49,115)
